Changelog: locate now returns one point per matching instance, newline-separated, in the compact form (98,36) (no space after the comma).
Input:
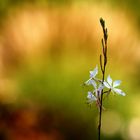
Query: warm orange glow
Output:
(28,29)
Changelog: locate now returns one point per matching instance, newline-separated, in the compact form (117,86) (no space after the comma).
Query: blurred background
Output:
(47,48)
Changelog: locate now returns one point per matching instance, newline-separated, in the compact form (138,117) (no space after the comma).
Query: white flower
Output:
(91,98)
(91,82)
(98,90)
(94,72)
(112,85)
(92,79)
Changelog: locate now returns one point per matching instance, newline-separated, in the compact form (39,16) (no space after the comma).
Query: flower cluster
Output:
(99,86)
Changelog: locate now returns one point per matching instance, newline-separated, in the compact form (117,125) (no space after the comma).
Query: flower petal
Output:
(101,86)
(91,82)
(109,80)
(91,98)
(94,84)
(119,91)
(106,84)
(88,82)
(90,95)
(94,72)
(116,83)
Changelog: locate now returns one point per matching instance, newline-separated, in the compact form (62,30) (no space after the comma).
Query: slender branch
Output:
(108,91)
(101,65)
(103,69)
(103,46)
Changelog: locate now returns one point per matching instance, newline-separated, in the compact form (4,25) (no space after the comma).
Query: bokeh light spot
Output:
(134,129)
(111,123)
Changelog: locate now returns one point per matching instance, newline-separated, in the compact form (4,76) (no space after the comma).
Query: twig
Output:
(103,69)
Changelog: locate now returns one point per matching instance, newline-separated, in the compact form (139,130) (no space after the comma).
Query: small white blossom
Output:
(91,98)
(112,85)
(98,90)
(91,82)
(94,72)
(94,96)
(92,79)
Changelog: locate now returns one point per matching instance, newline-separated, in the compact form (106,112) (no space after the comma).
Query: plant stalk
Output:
(103,69)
